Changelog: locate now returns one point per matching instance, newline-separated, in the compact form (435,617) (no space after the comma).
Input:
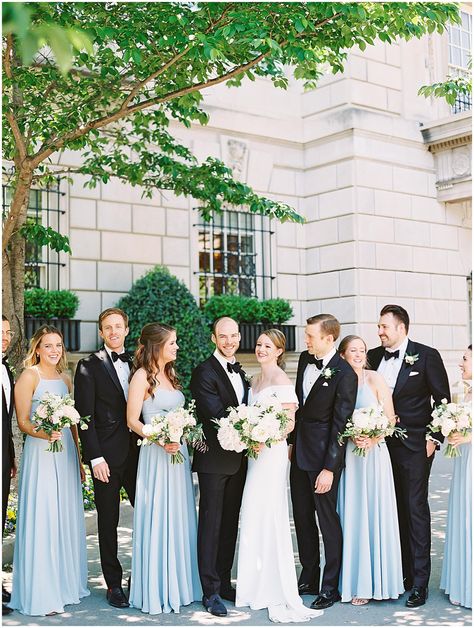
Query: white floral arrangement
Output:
(53,414)
(411,359)
(177,426)
(247,427)
(370,422)
(449,418)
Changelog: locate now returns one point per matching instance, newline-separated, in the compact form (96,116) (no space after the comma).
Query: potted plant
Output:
(253,316)
(53,307)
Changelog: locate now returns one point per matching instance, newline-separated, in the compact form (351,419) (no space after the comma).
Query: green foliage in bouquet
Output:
(160,297)
(43,303)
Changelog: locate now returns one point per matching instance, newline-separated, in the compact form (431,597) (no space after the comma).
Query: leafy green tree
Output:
(451,88)
(151,62)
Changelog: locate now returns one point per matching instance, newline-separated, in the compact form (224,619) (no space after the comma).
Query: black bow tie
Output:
(388,355)
(125,357)
(234,368)
(317,362)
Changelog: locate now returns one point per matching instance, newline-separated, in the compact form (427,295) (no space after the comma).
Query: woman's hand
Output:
(82,472)
(363,442)
(456,438)
(54,436)
(171,448)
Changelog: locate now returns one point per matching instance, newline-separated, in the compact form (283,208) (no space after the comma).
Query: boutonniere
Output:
(411,359)
(10,366)
(327,373)
(247,378)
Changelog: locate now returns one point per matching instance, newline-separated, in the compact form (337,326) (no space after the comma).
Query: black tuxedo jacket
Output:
(8,450)
(414,390)
(325,413)
(98,393)
(214,394)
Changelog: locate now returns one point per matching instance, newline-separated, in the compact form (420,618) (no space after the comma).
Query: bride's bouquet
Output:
(449,418)
(370,422)
(177,426)
(54,413)
(247,427)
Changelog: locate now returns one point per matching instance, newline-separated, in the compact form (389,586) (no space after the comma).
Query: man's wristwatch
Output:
(434,440)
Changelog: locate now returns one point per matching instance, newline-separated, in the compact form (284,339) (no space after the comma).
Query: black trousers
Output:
(305,504)
(220,497)
(6,480)
(107,501)
(411,472)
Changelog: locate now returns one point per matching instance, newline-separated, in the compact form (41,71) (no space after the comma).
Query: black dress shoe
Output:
(6,610)
(6,595)
(325,600)
(408,584)
(214,605)
(116,597)
(418,597)
(228,594)
(307,589)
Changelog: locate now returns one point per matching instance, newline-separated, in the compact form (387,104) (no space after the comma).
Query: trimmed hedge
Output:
(42,303)
(247,309)
(158,296)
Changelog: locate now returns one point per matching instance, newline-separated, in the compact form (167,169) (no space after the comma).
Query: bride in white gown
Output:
(266,576)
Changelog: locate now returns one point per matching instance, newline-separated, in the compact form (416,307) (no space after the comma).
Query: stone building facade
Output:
(383,177)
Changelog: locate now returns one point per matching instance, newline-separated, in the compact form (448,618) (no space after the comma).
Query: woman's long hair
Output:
(150,346)
(279,340)
(32,358)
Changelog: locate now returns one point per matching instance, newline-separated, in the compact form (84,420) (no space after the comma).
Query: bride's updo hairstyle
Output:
(345,342)
(279,340)
(150,345)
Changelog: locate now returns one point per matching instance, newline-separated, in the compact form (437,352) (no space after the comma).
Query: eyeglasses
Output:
(10,334)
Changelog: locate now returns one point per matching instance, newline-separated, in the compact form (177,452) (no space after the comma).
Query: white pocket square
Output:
(325,384)
(413,373)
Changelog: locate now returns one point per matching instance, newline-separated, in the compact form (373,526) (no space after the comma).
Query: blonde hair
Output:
(279,340)
(32,358)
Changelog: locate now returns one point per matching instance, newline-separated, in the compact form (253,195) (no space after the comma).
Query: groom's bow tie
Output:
(125,357)
(388,355)
(234,368)
(317,362)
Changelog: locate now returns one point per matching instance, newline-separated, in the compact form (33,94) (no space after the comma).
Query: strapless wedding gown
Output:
(266,575)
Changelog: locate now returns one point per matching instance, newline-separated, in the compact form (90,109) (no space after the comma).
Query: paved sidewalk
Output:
(94,611)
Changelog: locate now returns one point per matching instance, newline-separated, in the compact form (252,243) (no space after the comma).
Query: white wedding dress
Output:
(266,576)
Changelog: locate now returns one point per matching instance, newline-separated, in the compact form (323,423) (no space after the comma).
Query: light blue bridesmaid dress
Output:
(456,574)
(164,556)
(371,555)
(50,556)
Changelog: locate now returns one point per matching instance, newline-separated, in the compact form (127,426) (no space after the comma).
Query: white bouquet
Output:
(247,427)
(449,418)
(177,426)
(54,413)
(370,422)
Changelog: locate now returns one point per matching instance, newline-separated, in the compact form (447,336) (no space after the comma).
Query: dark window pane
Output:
(218,263)
(246,287)
(204,262)
(247,265)
(246,244)
(218,285)
(232,243)
(232,264)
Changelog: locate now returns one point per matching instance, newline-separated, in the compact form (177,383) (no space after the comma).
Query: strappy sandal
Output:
(359,601)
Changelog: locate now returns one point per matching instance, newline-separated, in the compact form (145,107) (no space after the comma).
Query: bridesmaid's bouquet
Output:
(370,422)
(176,426)
(54,413)
(247,427)
(449,418)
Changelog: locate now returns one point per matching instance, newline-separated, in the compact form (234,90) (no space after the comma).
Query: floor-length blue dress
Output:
(371,555)
(164,556)
(50,556)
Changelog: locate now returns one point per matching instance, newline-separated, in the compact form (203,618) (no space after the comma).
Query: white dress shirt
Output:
(123,371)
(312,373)
(7,389)
(389,369)
(235,378)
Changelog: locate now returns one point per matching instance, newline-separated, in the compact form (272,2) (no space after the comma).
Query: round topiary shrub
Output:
(43,303)
(160,297)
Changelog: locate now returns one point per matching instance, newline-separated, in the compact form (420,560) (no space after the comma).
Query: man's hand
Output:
(323,482)
(14,468)
(290,452)
(430,448)
(101,472)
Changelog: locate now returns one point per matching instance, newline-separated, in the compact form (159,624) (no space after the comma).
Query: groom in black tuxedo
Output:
(415,373)
(101,389)
(326,387)
(216,384)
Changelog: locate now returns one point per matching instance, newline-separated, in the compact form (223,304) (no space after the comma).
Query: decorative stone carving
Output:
(235,154)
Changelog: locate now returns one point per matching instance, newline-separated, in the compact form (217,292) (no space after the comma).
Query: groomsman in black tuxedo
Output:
(216,384)
(101,389)
(8,451)
(416,375)
(326,387)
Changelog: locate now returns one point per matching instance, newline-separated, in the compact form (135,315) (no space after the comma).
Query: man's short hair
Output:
(4,318)
(398,312)
(218,320)
(328,323)
(112,310)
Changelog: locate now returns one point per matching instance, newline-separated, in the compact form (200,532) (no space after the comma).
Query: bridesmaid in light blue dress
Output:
(50,556)
(371,555)
(164,556)
(456,574)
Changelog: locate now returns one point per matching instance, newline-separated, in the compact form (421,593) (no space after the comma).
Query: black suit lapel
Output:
(109,368)
(299,377)
(405,369)
(8,411)
(217,366)
(376,357)
(333,362)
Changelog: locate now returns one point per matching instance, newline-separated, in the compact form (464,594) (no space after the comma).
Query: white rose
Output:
(175,434)
(229,439)
(41,411)
(327,373)
(57,416)
(147,429)
(84,426)
(448,426)
(71,413)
